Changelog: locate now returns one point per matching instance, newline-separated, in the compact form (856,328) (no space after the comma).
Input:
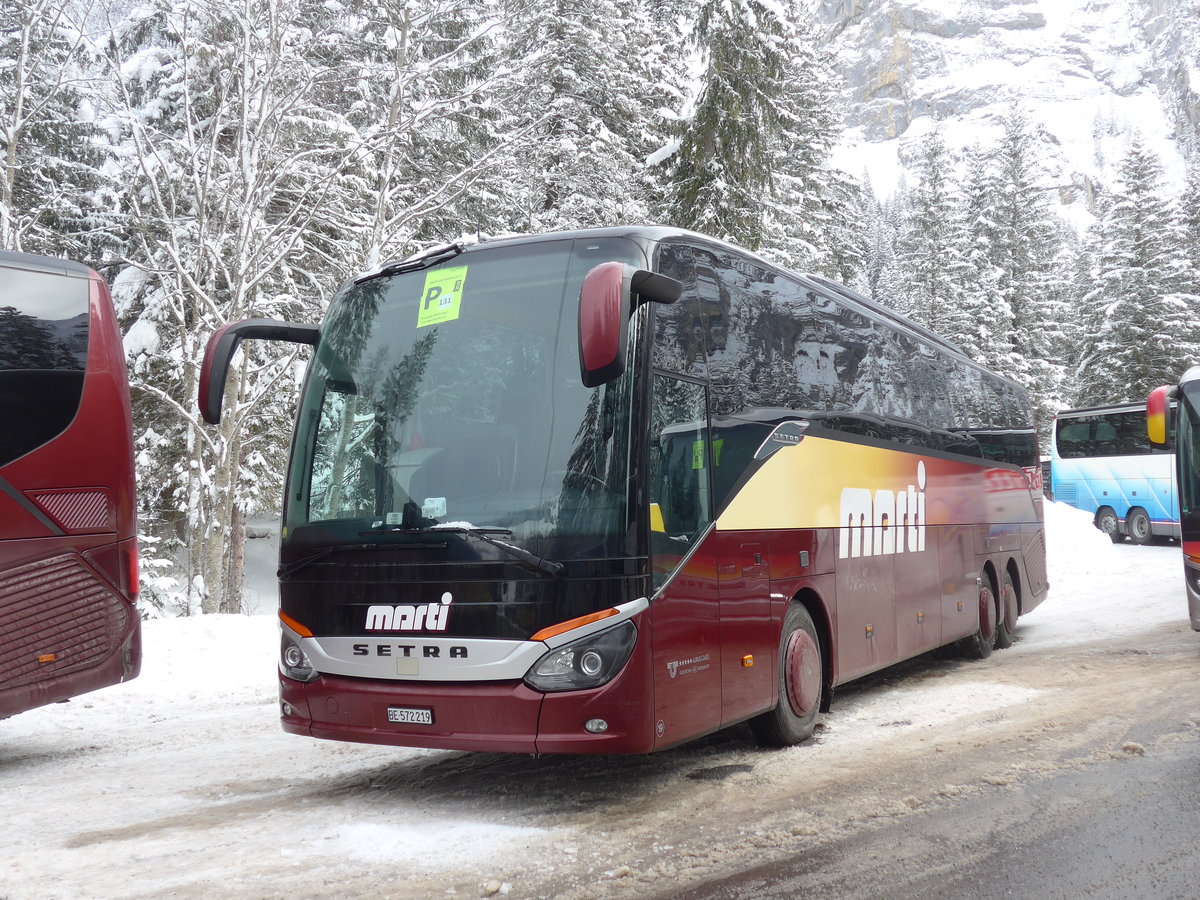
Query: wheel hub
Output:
(803,672)
(1010,608)
(987,612)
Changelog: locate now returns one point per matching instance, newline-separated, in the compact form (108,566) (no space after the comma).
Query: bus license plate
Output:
(409,716)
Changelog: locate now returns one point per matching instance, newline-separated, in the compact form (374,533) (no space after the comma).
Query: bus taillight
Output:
(129,550)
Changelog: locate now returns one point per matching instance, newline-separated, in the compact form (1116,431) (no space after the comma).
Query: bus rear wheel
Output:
(1137,523)
(801,682)
(1106,521)
(983,641)
(1006,624)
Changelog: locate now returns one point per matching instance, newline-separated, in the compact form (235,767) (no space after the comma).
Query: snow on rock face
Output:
(1093,73)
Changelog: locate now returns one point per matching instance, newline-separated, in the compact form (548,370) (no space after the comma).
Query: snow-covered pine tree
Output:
(595,79)
(229,168)
(987,340)
(881,278)
(815,212)
(429,128)
(53,196)
(1143,329)
(1024,241)
(722,181)
(930,245)
(1189,223)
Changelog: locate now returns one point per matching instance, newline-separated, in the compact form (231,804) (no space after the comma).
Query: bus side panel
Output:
(18,520)
(918,596)
(749,624)
(685,631)
(866,629)
(958,566)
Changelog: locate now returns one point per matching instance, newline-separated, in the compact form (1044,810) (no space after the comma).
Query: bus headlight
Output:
(295,662)
(584,663)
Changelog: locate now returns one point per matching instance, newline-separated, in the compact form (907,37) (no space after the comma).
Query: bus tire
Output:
(1106,521)
(983,641)
(1006,623)
(801,683)
(1137,523)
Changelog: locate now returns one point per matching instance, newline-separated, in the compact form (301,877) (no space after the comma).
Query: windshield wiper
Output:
(293,567)
(540,563)
(421,260)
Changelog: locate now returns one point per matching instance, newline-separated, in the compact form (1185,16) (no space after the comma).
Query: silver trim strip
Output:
(405,658)
(434,658)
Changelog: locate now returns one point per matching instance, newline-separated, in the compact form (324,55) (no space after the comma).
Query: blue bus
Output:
(1103,462)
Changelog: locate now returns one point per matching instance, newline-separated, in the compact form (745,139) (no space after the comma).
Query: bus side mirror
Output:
(224,343)
(606,301)
(1157,407)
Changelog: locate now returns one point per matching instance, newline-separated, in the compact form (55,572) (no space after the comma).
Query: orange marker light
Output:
(747,661)
(48,657)
(570,624)
(294,625)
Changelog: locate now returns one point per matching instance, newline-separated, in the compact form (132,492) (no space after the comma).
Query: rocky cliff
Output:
(1091,73)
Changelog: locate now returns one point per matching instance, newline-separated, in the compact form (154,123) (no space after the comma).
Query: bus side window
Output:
(680,491)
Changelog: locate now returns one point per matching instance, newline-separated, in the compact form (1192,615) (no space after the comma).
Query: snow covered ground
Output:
(181,784)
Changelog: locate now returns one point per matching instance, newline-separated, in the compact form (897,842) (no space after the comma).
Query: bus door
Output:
(685,609)
(748,643)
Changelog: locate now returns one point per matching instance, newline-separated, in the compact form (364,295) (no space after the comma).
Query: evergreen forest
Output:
(226,159)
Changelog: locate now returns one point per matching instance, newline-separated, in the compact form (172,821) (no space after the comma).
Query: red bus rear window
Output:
(43,354)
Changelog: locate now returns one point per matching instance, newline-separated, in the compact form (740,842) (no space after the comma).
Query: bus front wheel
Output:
(1137,523)
(1106,521)
(801,681)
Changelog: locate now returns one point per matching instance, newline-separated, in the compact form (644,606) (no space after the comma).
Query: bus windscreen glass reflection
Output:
(451,396)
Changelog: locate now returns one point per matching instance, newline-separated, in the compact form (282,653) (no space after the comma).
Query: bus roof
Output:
(1192,374)
(646,234)
(1123,407)
(49,264)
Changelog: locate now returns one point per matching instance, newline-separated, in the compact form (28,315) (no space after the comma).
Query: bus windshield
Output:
(1188,438)
(449,397)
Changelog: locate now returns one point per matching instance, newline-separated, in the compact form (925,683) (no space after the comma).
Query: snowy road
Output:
(181,784)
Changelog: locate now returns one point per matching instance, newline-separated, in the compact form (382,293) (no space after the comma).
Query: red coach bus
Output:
(68,543)
(611,490)
(1182,402)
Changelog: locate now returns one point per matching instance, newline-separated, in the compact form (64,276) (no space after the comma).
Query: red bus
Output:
(68,542)
(610,490)
(1181,403)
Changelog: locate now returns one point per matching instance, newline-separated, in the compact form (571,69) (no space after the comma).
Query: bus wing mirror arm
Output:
(224,343)
(610,293)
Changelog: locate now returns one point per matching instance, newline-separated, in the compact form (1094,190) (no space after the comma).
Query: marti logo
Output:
(886,523)
(426,617)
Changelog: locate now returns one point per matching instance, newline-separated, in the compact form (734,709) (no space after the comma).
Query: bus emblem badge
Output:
(672,669)
(425,617)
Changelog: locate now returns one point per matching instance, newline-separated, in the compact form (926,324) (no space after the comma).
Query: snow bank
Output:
(1095,583)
